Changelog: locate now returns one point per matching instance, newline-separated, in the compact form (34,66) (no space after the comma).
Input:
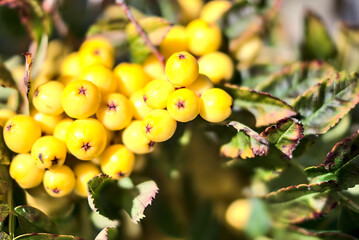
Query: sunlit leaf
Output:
(295,79)
(347,41)
(317,43)
(266,108)
(305,207)
(108,233)
(245,144)
(45,236)
(285,135)
(324,104)
(33,220)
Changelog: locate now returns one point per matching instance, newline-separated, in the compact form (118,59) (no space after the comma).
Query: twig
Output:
(50,6)
(142,33)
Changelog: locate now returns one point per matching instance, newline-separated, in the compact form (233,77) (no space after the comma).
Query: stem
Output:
(142,33)
(11,213)
(351,204)
(50,6)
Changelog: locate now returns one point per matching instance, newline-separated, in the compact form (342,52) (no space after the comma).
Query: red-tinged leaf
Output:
(46,236)
(4,212)
(4,236)
(108,233)
(266,108)
(306,207)
(285,135)
(324,104)
(245,144)
(295,79)
(295,232)
(296,191)
(347,38)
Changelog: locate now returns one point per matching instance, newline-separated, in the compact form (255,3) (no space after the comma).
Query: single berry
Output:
(139,105)
(183,105)
(134,139)
(83,173)
(59,182)
(157,92)
(201,84)
(101,76)
(96,50)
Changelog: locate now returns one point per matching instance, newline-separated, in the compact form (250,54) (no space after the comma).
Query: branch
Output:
(142,33)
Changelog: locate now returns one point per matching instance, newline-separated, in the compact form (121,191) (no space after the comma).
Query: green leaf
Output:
(4,212)
(6,79)
(4,236)
(33,220)
(324,104)
(308,206)
(45,236)
(347,221)
(5,154)
(245,144)
(317,43)
(259,222)
(266,108)
(295,79)
(296,191)
(108,197)
(108,233)
(347,39)
(156,29)
(285,135)
(108,25)
(303,234)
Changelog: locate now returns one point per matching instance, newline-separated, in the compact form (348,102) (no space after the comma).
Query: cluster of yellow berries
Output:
(104,117)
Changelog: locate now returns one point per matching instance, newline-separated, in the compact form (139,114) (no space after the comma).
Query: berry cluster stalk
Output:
(142,33)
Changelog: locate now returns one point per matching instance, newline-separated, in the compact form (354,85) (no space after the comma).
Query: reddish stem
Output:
(142,33)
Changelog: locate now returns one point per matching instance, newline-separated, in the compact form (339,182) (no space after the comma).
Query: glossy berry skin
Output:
(5,114)
(96,50)
(25,172)
(47,98)
(212,11)
(61,128)
(153,67)
(117,161)
(71,65)
(81,99)
(115,111)
(182,69)
(175,41)
(20,132)
(217,66)
(134,139)
(183,105)
(201,84)
(139,105)
(101,76)
(215,105)
(86,138)
(47,122)
(157,92)
(158,125)
(203,37)
(83,173)
(49,152)
(131,77)
(59,182)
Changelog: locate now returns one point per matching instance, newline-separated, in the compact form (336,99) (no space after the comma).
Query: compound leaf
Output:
(324,104)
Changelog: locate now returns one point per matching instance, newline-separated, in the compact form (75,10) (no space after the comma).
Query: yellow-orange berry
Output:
(215,105)
(134,139)
(96,50)
(61,128)
(175,41)
(71,65)
(47,98)
(83,173)
(47,122)
(201,84)
(212,11)
(157,92)
(158,125)
(101,76)
(140,107)
(59,182)
(183,105)
(5,114)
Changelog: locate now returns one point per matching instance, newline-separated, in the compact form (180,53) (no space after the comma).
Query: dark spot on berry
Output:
(37,93)
(46,169)
(144,98)
(181,56)
(82,91)
(120,174)
(96,52)
(55,161)
(180,104)
(112,106)
(8,127)
(151,144)
(148,128)
(40,157)
(55,190)
(86,146)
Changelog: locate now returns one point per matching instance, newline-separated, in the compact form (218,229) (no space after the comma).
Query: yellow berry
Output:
(134,139)
(20,132)
(117,161)
(201,84)
(5,114)
(65,80)
(189,9)
(157,92)
(203,37)
(153,67)
(80,99)
(25,172)
(59,182)
(101,76)
(83,173)
(47,98)
(115,111)
(131,77)
(47,122)
(217,66)
(61,128)
(247,52)
(96,50)
(140,107)
(215,105)
(238,214)
(42,79)
(71,65)
(181,69)
(175,41)
(212,11)
(86,138)
(49,152)
(158,125)
(183,105)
